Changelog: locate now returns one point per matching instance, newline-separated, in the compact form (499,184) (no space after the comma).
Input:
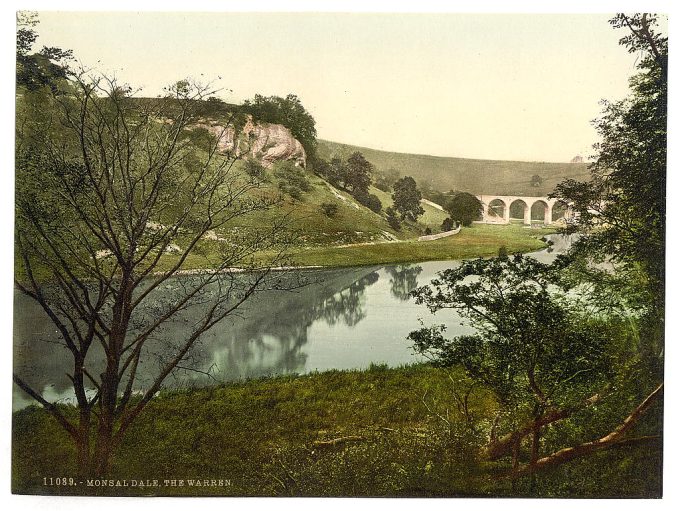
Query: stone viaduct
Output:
(497,208)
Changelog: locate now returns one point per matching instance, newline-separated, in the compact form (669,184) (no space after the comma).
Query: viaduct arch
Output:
(491,214)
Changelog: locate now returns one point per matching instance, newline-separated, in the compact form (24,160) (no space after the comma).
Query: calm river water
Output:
(349,318)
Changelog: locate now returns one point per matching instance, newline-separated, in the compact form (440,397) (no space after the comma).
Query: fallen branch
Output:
(496,449)
(613,439)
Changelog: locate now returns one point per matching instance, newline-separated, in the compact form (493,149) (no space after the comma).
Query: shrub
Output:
(393,219)
(255,169)
(370,200)
(447,224)
(329,209)
(293,180)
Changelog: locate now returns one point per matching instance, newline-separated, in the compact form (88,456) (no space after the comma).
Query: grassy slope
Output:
(260,435)
(475,176)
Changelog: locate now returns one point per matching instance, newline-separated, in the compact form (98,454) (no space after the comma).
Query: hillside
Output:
(475,176)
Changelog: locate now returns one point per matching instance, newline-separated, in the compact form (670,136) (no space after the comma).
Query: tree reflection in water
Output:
(268,338)
(403,280)
(271,336)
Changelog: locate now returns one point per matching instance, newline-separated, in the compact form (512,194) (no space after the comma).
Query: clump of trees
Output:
(353,175)
(48,67)
(393,218)
(546,355)
(621,210)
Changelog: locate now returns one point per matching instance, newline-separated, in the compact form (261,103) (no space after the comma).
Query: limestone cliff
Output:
(265,142)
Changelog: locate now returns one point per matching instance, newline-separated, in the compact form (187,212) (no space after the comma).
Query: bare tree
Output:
(116,197)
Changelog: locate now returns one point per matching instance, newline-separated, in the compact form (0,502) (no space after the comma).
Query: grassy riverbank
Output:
(379,432)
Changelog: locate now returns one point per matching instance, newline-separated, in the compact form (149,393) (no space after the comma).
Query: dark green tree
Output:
(621,210)
(393,218)
(47,67)
(358,172)
(447,224)
(406,197)
(536,180)
(464,208)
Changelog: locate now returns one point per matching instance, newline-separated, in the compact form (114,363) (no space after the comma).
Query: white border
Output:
(7,30)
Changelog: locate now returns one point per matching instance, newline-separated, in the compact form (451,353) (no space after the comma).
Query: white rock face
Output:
(265,142)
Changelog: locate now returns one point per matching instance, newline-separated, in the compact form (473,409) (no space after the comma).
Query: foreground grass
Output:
(266,437)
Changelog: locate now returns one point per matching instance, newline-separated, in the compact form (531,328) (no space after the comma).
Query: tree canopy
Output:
(464,208)
(406,197)
(621,210)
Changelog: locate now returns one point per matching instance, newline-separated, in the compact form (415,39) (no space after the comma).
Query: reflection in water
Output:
(404,279)
(268,337)
(344,319)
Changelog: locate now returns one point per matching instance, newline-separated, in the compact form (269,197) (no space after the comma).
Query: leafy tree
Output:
(289,112)
(370,200)
(406,198)
(357,174)
(621,211)
(536,180)
(543,357)
(464,208)
(45,68)
(111,204)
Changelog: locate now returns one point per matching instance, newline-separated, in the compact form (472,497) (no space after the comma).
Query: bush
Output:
(447,224)
(428,231)
(370,200)
(255,169)
(393,219)
(329,209)
(293,180)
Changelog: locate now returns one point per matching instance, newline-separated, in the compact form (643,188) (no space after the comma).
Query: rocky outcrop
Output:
(265,142)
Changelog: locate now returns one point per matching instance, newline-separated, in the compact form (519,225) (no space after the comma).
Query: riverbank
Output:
(376,432)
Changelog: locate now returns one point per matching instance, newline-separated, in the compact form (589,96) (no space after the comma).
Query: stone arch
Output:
(541,210)
(523,213)
(497,208)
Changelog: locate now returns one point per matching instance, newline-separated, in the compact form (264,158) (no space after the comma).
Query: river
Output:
(347,319)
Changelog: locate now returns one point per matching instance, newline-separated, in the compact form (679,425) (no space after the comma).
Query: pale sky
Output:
(515,87)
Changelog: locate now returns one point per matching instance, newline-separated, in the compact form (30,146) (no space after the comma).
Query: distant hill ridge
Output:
(501,177)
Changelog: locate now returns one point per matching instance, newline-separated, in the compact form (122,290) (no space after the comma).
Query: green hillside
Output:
(475,176)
